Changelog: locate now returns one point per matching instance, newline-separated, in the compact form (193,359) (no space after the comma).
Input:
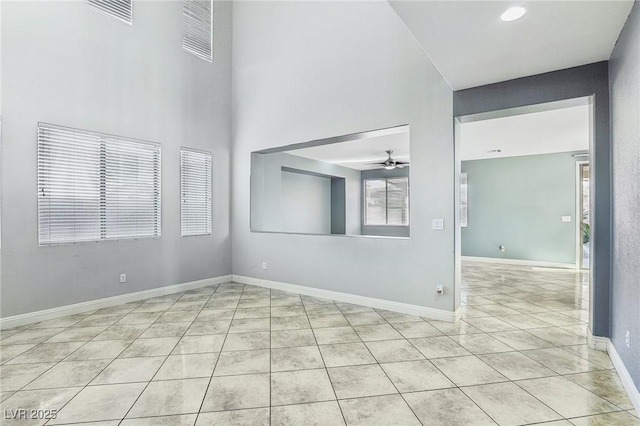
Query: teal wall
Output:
(518,202)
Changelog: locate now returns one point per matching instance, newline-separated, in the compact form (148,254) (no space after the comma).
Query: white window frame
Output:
(103,143)
(364,198)
(464,200)
(186,229)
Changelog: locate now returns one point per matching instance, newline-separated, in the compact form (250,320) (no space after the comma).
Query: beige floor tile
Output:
(413,376)
(331,335)
(248,325)
(8,352)
(515,366)
(373,332)
(292,338)
(557,336)
(302,386)
(247,341)
(468,371)
(611,419)
(187,366)
(123,332)
(508,404)
(46,352)
(15,377)
(394,351)
(416,329)
(298,358)
(560,361)
(208,327)
(170,397)
(332,320)
(237,392)
(359,381)
(107,349)
(385,410)
(242,362)
(521,340)
(455,328)
(106,402)
(127,370)
(446,407)
(176,329)
(179,420)
(43,399)
(481,343)
(566,397)
(438,347)
(150,347)
(313,414)
(199,344)
(342,354)
(606,384)
(289,323)
(253,417)
(68,374)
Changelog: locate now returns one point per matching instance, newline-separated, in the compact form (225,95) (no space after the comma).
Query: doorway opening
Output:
(523,219)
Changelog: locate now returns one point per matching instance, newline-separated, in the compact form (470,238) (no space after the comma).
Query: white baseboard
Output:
(519,262)
(598,343)
(430,313)
(78,308)
(625,377)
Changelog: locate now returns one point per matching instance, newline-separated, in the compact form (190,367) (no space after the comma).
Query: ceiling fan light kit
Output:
(390,163)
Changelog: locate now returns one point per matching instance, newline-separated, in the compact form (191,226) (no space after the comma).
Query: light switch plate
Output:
(437,224)
(566,219)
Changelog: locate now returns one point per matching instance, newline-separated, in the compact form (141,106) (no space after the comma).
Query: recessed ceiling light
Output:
(494,151)
(513,13)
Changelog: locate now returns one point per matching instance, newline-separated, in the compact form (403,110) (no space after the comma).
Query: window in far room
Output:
(386,201)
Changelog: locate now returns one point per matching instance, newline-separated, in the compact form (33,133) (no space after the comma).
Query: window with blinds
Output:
(464,200)
(197,26)
(93,186)
(195,190)
(119,9)
(386,202)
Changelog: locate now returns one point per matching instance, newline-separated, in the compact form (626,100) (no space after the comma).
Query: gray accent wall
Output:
(266,190)
(66,64)
(387,231)
(306,203)
(310,70)
(587,80)
(518,202)
(624,69)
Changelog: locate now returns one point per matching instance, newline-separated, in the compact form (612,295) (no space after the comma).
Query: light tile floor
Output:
(243,355)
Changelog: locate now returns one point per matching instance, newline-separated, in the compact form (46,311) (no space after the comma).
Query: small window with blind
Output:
(197,28)
(386,202)
(195,190)
(119,9)
(93,186)
(464,200)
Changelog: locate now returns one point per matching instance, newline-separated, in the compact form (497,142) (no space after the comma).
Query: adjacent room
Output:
(319,213)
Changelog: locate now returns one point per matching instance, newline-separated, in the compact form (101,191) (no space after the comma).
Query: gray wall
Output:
(266,189)
(586,80)
(310,70)
(518,202)
(625,139)
(66,64)
(306,203)
(388,231)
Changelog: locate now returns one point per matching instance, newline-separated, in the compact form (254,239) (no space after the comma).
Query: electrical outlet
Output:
(627,339)
(123,278)
(264,265)
(439,289)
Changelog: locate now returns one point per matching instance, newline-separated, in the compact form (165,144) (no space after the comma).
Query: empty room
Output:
(319,212)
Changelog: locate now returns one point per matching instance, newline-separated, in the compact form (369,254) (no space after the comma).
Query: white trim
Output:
(625,377)
(519,262)
(596,342)
(422,311)
(77,308)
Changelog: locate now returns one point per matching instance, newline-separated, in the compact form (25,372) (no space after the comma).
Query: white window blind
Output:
(197,35)
(386,201)
(93,186)
(119,9)
(195,189)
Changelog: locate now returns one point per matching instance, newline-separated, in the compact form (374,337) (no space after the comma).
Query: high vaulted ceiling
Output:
(471,46)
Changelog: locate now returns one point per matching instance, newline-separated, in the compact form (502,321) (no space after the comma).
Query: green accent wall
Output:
(518,202)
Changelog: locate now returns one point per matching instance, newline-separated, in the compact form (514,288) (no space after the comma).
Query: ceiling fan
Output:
(390,163)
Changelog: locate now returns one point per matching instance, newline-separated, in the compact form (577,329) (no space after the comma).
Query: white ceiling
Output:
(358,154)
(471,46)
(559,130)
